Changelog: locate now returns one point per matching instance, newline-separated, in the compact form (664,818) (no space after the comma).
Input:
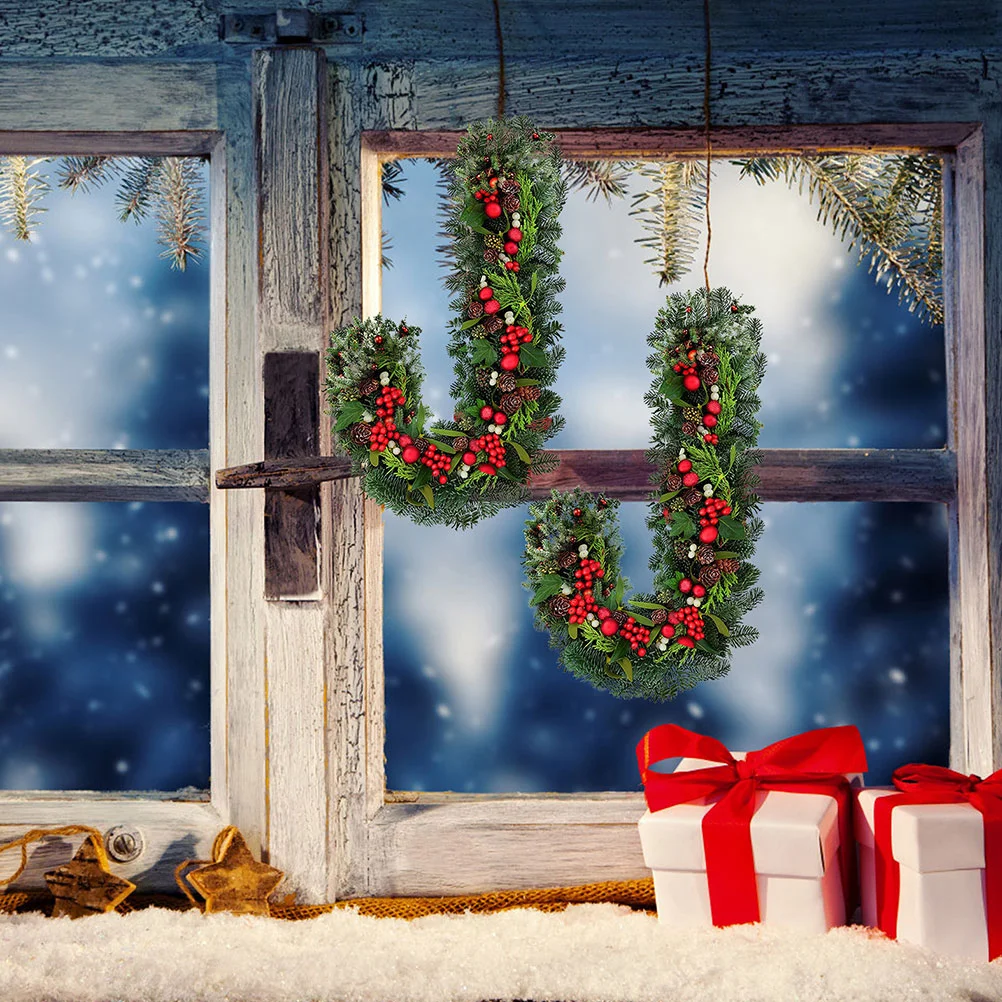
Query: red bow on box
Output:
(933,784)
(812,762)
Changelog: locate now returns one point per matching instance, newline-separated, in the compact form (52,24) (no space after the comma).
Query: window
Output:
(518,829)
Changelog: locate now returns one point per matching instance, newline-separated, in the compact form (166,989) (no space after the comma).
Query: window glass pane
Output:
(848,365)
(854,629)
(104,646)
(103,345)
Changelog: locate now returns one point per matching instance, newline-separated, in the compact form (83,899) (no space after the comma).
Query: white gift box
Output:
(795,842)
(941,852)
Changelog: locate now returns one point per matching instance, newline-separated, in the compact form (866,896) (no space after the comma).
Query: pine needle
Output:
(392,179)
(87,173)
(386,244)
(179,210)
(670,212)
(605,178)
(22,188)
(138,189)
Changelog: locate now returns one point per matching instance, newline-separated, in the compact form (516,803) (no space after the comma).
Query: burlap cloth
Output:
(635,893)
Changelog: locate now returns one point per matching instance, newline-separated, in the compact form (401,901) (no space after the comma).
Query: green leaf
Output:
(627,668)
(549,585)
(484,353)
(730,528)
(350,413)
(429,495)
(718,623)
(422,477)
(725,555)
(467,324)
(532,284)
(645,605)
(531,355)
(527,382)
(643,620)
(448,449)
(448,432)
(704,646)
(456,460)
(681,525)
(503,472)
(621,648)
(572,631)
(374,457)
(734,452)
(668,497)
(521,453)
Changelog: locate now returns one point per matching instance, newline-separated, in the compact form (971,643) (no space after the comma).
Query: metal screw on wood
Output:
(124,844)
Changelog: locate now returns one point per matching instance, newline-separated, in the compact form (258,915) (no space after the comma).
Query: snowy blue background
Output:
(104,607)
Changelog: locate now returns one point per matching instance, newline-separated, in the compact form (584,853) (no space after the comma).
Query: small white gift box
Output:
(940,849)
(795,842)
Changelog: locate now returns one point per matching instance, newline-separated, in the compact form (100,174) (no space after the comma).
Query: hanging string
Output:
(37,834)
(497,29)
(706,119)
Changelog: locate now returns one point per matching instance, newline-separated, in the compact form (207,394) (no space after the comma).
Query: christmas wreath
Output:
(707,367)
(505,196)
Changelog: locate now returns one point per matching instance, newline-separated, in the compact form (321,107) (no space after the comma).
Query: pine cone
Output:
(529,392)
(368,386)
(620,616)
(567,559)
(507,383)
(510,203)
(510,402)
(678,504)
(360,433)
(688,428)
(483,377)
(509,186)
(461,444)
(475,309)
(710,575)
(705,554)
(659,616)
(491,255)
(729,566)
(421,444)
(693,496)
(673,482)
(710,376)
(560,605)
(493,324)
(693,414)
(542,424)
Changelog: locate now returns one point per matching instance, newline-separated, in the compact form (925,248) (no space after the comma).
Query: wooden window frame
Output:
(494,841)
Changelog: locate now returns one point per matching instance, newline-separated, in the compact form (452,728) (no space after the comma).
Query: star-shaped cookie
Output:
(85,885)
(235,882)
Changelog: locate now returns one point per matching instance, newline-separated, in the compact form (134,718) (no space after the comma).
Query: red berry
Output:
(486,292)
(469,458)
(708,535)
(668,631)
(493,210)
(500,418)
(698,591)
(690,480)
(667,514)
(684,467)
(713,406)
(487,412)
(509,362)
(491,306)
(685,586)
(410,454)
(609,627)
(405,440)
(515,234)
(691,383)
(511,248)
(709,420)
(603,614)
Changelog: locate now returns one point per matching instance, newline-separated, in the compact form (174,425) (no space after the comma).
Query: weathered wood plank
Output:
(505,842)
(290,120)
(104,475)
(188,143)
(643,143)
(291,517)
(784,474)
(172,831)
(137,96)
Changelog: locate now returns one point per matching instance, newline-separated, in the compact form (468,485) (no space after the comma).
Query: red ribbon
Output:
(933,784)
(812,762)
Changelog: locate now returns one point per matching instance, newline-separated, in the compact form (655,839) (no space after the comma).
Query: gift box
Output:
(930,856)
(758,836)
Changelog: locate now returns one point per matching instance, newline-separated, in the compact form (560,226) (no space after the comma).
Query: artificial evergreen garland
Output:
(707,367)
(506,194)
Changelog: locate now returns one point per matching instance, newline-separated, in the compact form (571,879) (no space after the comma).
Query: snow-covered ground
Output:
(588,953)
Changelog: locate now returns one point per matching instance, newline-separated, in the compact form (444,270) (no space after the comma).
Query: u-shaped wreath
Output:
(506,195)
(707,367)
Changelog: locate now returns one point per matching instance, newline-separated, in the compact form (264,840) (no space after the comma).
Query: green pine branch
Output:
(607,179)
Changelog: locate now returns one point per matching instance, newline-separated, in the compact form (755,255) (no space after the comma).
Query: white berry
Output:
(714,388)
(367,416)
(697,602)
(582,550)
(566,589)
(483,281)
(396,450)
(690,600)
(463,474)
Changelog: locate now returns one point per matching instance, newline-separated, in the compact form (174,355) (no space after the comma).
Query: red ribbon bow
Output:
(812,762)
(934,784)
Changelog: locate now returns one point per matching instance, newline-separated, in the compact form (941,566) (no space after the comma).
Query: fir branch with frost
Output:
(179,211)
(22,188)
(599,178)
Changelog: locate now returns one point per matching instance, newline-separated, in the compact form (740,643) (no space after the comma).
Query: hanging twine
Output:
(497,29)
(706,119)
(37,834)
